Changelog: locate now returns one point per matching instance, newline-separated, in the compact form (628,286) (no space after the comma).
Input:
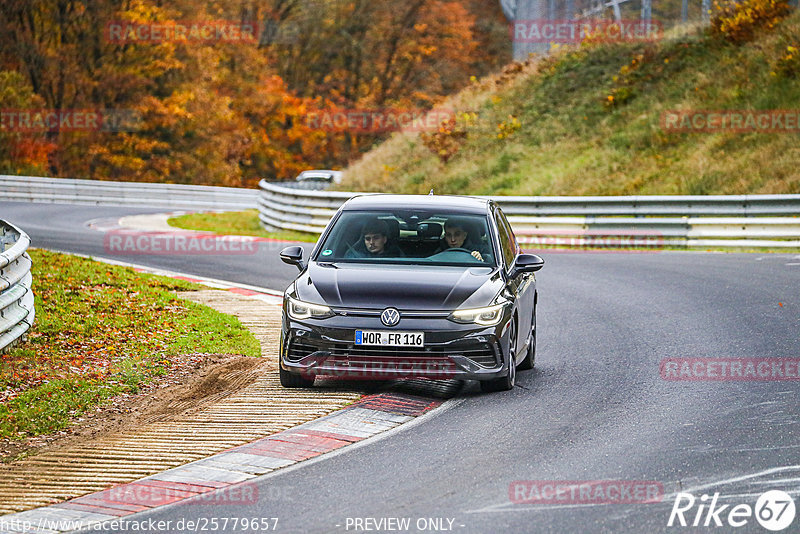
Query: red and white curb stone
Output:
(267,295)
(225,477)
(158,222)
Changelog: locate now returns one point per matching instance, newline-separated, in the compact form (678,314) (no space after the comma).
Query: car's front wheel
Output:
(507,382)
(292,380)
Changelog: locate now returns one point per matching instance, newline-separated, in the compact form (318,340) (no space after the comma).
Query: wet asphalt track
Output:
(595,408)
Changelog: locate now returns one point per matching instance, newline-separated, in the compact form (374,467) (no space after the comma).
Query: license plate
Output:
(390,339)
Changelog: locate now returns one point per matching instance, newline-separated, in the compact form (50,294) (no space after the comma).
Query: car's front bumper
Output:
(451,351)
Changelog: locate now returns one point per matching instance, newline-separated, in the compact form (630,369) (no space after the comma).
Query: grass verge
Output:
(101,330)
(235,223)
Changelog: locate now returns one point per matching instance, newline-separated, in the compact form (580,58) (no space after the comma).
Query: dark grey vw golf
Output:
(405,285)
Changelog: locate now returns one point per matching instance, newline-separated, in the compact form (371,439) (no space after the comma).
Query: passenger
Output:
(374,242)
(456,235)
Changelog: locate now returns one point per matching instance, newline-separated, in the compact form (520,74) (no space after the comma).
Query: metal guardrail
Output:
(702,221)
(16,298)
(718,221)
(284,208)
(101,193)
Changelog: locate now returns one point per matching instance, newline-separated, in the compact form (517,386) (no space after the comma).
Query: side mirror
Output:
(526,263)
(293,256)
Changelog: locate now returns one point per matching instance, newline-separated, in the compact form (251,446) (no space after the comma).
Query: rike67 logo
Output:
(774,510)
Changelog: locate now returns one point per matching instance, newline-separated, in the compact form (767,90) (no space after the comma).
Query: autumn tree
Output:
(21,153)
(228,113)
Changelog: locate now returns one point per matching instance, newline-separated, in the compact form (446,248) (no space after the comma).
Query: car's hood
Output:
(431,288)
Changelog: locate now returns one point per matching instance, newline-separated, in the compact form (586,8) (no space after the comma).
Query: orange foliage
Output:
(737,22)
(231,113)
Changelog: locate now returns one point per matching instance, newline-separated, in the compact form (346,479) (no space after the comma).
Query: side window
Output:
(508,243)
(514,242)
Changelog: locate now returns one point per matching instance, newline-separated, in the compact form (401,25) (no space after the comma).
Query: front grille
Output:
(483,353)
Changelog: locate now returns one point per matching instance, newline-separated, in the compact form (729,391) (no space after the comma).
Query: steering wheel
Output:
(460,249)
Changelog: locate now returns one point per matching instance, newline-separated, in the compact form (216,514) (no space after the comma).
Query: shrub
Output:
(739,22)
(446,141)
(624,81)
(507,128)
(788,65)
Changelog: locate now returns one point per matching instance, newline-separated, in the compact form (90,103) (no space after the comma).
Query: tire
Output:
(530,356)
(507,382)
(291,380)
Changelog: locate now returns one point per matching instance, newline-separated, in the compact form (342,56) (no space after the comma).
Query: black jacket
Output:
(359,250)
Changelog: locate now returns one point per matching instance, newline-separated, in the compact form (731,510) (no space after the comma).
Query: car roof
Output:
(318,173)
(425,202)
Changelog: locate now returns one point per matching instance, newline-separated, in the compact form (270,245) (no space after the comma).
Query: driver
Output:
(374,241)
(456,235)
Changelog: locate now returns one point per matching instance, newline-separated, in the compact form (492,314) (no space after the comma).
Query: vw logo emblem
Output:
(390,317)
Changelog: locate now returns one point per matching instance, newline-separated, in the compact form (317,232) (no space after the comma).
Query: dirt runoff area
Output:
(193,382)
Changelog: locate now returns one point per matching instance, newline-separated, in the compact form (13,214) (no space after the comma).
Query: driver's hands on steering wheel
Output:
(474,253)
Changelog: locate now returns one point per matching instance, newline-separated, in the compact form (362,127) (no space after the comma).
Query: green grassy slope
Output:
(589,123)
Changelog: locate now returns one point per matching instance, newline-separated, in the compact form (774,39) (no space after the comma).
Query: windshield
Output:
(403,237)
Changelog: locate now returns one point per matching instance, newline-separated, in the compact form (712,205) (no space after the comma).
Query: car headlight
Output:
(304,310)
(487,316)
